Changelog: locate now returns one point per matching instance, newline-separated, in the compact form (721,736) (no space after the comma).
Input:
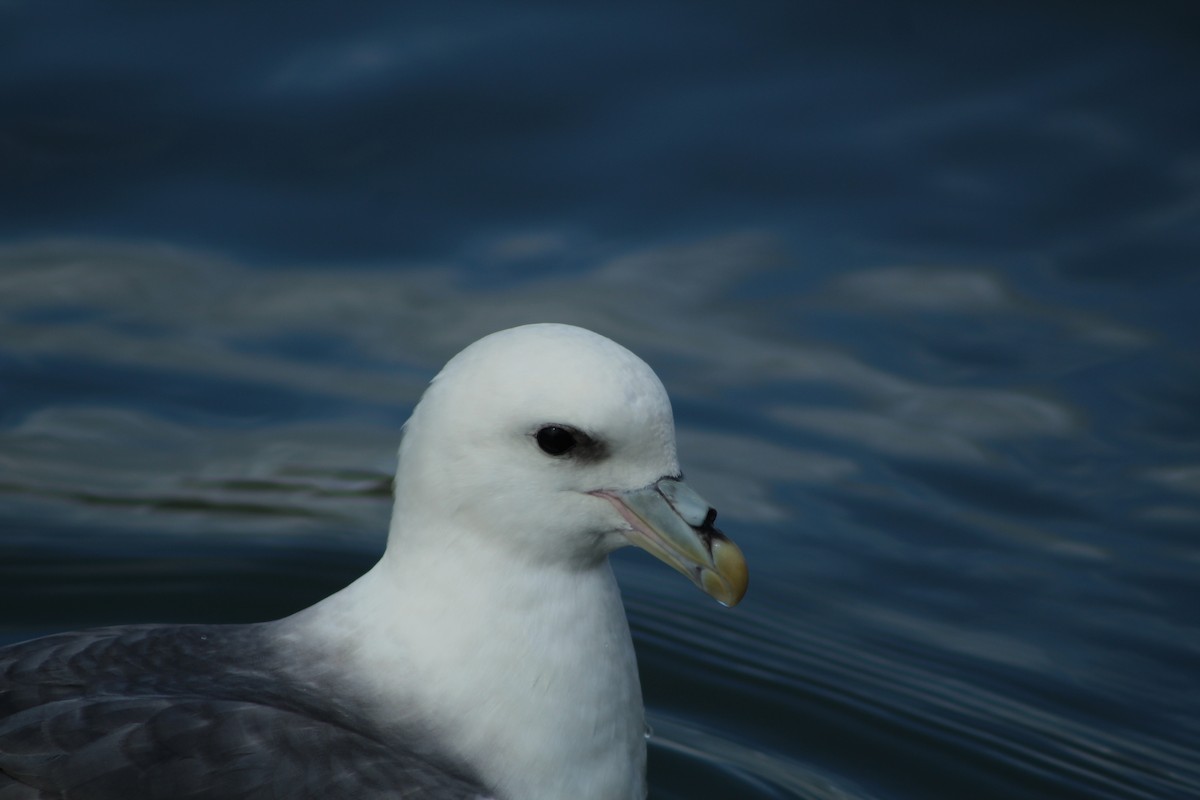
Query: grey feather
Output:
(195,712)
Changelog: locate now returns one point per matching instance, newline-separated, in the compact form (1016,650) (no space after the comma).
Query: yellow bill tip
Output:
(726,582)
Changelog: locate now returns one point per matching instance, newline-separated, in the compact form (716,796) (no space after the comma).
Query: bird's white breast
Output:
(528,675)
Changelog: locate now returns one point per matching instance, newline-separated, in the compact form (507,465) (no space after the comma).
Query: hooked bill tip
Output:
(729,577)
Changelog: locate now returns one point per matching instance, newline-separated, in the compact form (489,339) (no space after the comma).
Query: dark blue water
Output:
(921,279)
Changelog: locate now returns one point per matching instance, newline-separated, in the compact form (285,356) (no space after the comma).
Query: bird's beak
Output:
(675,525)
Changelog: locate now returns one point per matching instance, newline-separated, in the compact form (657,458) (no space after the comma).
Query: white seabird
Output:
(486,655)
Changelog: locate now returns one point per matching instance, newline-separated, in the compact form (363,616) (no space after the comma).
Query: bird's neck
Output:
(525,672)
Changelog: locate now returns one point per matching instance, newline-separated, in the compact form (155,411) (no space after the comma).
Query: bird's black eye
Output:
(556,440)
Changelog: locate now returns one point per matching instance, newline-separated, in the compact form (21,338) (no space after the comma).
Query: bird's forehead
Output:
(557,373)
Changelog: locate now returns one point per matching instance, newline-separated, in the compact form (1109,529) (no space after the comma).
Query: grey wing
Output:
(108,748)
(68,731)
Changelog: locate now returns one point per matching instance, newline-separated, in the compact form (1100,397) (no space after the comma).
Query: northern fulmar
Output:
(485,656)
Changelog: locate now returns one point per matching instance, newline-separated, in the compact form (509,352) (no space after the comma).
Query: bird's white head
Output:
(559,444)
